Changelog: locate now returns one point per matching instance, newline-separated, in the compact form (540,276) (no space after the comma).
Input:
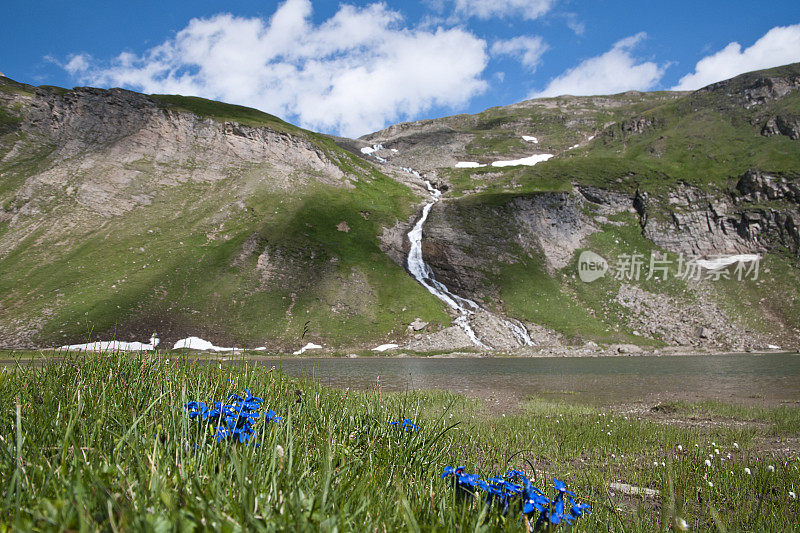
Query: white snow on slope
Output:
(113,346)
(309,346)
(530,139)
(726,260)
(367,150)
(196,343)
(384,347)
(527,161)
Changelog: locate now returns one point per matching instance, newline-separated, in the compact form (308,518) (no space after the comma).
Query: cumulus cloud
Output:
(485,9)
(351,74)
(528,50)
(779,46)
(612,72)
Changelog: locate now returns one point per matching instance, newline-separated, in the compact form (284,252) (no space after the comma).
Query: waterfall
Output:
(423,273)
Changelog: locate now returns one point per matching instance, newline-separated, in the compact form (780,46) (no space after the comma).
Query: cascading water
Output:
(423,273)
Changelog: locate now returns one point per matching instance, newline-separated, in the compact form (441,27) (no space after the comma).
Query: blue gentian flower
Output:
(235,420)
(272,417)
(406,424)
(514,491)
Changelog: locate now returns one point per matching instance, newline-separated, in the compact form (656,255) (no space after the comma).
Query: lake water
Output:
(769,379)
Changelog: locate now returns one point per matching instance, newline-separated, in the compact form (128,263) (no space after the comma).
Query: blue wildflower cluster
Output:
(514,490)
(234,420)
(406,425)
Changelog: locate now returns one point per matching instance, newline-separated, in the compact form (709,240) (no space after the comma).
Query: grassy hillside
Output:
(186,261)
(653,144)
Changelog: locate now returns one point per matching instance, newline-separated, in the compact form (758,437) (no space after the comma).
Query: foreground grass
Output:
(102,442)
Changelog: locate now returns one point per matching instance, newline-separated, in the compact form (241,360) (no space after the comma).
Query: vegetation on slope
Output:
(241,260)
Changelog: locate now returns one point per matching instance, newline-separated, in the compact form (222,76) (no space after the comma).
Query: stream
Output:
(423,273)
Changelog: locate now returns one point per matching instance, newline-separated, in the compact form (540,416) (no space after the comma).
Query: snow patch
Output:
(309,346)
(527,161)
(530,139)
(113,346)
(726,260)
(468,164)
(573,146)
(196,343)
(368,150)
(773,347)
(384,347)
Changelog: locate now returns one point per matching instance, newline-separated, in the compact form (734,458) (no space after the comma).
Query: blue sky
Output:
(354,67)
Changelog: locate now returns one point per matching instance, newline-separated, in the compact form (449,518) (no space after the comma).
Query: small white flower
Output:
(613,456)
(728,456)
(771,468)
(792,495)
(747,471)
(710,484)
(663,463)
(609,433)
(279,451)
(696,445)
(735,445)
(711,456)
(680,449)
(716,451)
(714,444)
(681,525)
(708,463)
(655,463)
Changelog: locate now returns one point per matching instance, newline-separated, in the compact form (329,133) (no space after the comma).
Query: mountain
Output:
(124,214)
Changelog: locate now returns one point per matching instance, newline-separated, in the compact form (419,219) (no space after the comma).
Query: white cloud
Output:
(779,46)
(77,64)
(612,72)
(577,27)
(351,74)
(485,9)
(528,50)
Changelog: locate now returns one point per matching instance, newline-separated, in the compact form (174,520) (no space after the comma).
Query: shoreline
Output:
(542,353)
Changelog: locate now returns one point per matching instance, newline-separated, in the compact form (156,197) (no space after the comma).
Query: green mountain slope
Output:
(702,174)
(124,214)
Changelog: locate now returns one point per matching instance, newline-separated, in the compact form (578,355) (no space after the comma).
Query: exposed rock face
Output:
(638,125)
(766,89)
(122,135)
(755,89)
(757,186)
(782,125)
(554,223)
(698,223)
(463,245)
